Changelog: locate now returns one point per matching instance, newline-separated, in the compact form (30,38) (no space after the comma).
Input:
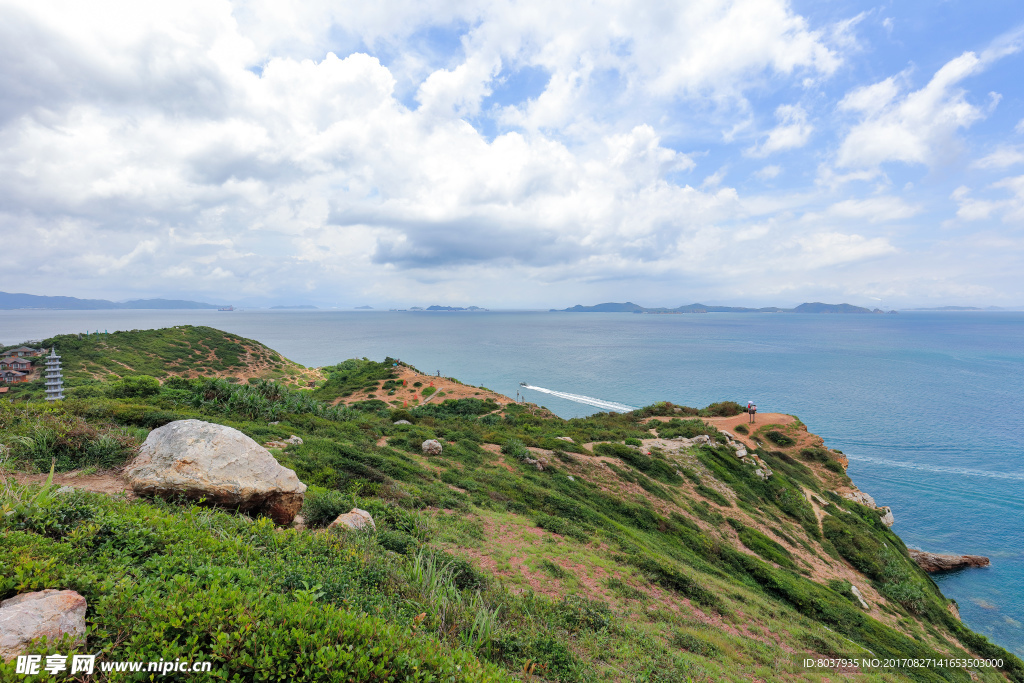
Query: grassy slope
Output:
(609,564)
(187,351)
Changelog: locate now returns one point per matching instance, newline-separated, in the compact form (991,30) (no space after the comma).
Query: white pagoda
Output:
(54,379)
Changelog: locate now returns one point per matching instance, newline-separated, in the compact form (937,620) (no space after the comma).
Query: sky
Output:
(528,154)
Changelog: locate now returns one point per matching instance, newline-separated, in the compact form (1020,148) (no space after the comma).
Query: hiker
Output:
(752,412)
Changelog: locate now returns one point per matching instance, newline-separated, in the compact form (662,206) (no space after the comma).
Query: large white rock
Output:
(431,447)
(860,597)
(860,497)
(353,520)
(222,465)
(51,613)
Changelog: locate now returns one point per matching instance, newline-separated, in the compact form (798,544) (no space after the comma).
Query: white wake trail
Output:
(588,400)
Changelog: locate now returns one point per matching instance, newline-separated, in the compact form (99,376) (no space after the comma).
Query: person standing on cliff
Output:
(752,413)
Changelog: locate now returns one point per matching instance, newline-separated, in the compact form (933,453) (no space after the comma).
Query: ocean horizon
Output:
(924,404)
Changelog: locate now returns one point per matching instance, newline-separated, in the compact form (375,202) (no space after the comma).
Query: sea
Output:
(928,406)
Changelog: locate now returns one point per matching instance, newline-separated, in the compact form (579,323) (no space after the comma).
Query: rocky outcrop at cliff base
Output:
(219,464)
(934,562)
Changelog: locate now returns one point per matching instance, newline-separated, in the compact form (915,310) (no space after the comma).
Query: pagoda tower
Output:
(54,379)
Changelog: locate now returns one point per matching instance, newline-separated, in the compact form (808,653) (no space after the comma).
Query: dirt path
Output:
(109,482)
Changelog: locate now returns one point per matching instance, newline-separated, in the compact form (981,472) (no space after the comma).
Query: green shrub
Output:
(722,409)
(741,429)
(695,644)
(320,507)
(562,527)
(633,442)
(684,428)
(713,495)
(778,438)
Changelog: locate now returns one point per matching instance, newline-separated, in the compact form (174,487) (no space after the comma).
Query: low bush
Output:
(684,428)
(778,438)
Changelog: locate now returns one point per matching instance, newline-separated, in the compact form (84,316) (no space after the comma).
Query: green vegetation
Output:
(482,567)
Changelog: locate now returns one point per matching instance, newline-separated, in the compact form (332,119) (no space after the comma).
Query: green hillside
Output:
(186,350)
(514,555)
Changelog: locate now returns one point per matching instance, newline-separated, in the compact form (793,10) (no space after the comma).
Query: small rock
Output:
(294,440)
(728,435)
(274,423)
(741,452)
(431,447)
(887,518)
(860,598)
(353,520)
(403,422)
(64,490)
(565,438)
(571,478)
(51,613)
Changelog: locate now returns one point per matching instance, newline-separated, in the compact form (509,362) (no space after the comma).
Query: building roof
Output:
(8,352)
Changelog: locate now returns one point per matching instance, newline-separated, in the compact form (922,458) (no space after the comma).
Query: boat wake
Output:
(1018,476)
(587,400)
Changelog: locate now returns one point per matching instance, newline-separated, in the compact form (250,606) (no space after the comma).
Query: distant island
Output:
(449,308)
(364,308)
(301,307)
(630,307)
(9,301)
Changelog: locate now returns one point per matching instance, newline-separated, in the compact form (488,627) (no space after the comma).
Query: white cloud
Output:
(913,129)
(1002,157)
(873,209)
(1010,209)
(793,131)
(381,149)
(833,248)
(920,126)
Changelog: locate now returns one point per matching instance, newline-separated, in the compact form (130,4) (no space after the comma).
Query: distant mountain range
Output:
(10,301)
(630,307)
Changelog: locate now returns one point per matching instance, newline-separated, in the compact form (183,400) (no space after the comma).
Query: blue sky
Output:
(526,154)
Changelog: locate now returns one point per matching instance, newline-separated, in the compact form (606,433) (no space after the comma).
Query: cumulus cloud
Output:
(259,148)
(793,131)
(917,127)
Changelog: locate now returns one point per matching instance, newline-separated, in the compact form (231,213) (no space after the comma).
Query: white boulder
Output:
(51,613)
(222,465)
(431,447)
(860,598)
(353,520)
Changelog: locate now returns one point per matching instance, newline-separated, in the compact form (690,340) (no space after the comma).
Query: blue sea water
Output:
(928,406)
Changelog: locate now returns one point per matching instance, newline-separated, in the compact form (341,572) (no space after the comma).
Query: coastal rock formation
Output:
(222,465)
(353,520)
(860,497)
(431,447)
(51,613)
(887,518)
(935,562)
